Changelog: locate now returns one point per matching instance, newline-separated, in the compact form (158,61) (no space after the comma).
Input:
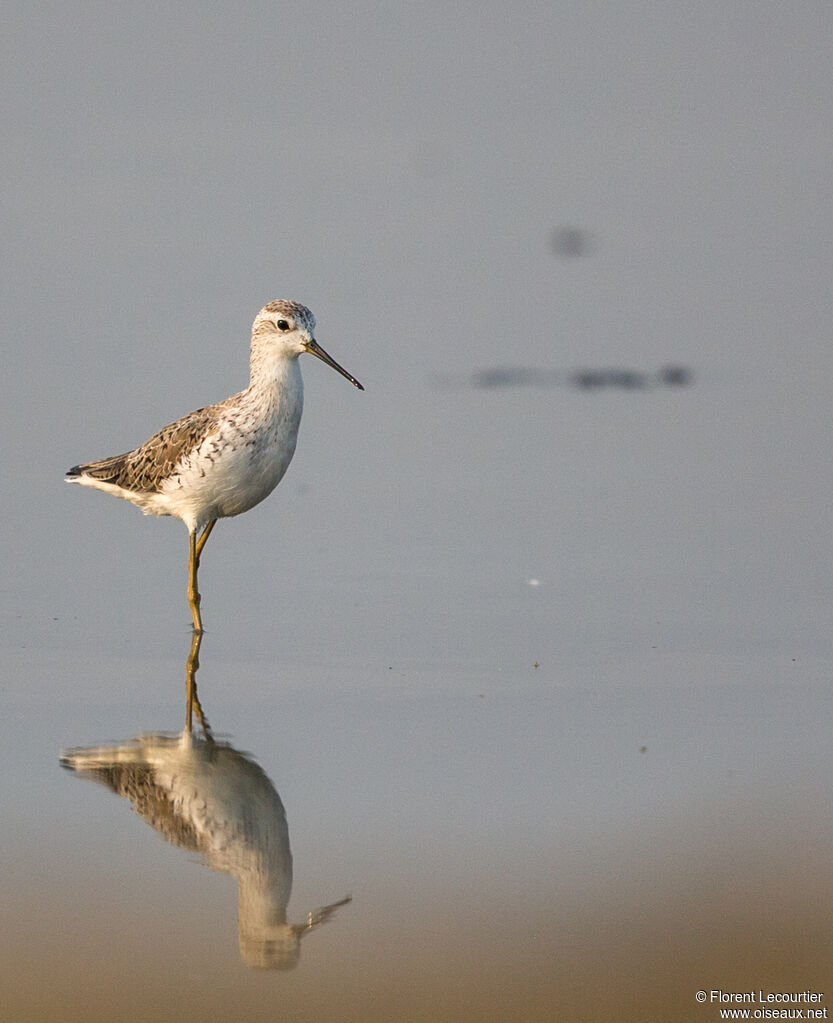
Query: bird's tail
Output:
(107,470)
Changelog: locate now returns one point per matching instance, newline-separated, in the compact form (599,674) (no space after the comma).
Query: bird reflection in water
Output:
(203,795)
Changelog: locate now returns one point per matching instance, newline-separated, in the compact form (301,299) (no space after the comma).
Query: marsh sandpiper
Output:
(223,459)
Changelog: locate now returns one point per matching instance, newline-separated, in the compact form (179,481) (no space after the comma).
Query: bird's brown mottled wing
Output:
(137,783)
(146,468)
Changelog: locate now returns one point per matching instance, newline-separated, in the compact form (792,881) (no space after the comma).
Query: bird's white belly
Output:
(230,473)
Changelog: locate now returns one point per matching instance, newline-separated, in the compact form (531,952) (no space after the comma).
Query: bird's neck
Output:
(274,376)
(262,897)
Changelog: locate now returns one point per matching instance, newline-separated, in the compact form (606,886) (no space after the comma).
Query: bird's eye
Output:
(282,325)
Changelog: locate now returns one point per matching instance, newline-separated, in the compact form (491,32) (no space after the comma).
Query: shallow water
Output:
(530,653)
(514,848)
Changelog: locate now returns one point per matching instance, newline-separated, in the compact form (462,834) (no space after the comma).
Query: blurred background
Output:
(533,639)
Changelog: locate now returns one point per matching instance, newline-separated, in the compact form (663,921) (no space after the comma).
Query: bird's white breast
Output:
(241,462)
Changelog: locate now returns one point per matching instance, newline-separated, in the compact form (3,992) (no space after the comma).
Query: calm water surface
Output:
(530,653)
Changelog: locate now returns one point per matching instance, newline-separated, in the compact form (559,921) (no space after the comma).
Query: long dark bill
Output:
(314,348)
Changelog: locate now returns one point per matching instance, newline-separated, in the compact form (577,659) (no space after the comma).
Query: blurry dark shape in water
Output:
(572,242)
(581,379)
(594,379)
(513,376)
(676,376)
(588,379)
(631,379)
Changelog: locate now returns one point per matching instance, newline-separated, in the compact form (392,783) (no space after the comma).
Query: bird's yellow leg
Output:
(204,535)
(193,592)
(196,548)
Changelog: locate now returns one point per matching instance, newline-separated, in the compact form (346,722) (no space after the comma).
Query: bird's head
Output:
(290,327)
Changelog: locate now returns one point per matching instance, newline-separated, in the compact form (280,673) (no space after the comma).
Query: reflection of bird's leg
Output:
(191,664)
(195,550)
(192,702)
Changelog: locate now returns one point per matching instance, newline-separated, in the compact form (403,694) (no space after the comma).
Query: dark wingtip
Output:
(73,472)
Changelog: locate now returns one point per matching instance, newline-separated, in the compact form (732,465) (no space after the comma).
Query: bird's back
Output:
(145,468)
